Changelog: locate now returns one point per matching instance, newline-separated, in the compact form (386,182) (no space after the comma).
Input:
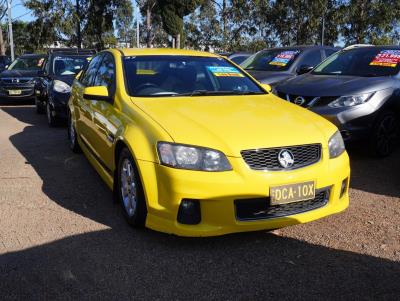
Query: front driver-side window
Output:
(90,73)
(106,74)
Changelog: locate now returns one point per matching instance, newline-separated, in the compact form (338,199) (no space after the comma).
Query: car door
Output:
(105,117)
(83,114)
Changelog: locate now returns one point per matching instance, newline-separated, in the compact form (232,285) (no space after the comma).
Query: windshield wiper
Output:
(210,93)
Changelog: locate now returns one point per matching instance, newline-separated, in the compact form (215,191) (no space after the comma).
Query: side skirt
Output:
(105,173)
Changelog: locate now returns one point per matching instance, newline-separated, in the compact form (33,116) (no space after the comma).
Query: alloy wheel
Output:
(128,187)
(387,133)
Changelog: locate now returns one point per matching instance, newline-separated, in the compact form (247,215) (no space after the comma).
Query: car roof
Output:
(304,47)
(164,51)
(241,53)
(33,55)
(363,46)
(71,51)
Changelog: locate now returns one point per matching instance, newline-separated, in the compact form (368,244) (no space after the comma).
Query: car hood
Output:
(270,77)
(19,73)
(234,123)
(333,85)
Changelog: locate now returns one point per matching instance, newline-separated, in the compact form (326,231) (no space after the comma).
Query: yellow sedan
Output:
(192,145)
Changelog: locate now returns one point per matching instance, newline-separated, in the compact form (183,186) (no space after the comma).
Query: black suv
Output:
(54,87)
(17,82)
(274,65)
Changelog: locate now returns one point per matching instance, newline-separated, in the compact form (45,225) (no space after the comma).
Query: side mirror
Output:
(267,87)
(99,93)
(304,69)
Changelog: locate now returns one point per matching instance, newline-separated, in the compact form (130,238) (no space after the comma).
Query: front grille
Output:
(307,101)
(259,208)
(267,158)
(17,80)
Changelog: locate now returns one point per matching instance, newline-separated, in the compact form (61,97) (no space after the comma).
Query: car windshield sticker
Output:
(283,58)
(146,72)
(40,62)
(225,71)
(386,58)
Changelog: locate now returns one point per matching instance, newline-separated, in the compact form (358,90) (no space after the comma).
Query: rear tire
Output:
(73,137)
(130,190)
(385,134)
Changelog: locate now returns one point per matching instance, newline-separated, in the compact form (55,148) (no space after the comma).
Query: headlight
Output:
(192,157)
(349,101)
(336,145)
(61,87)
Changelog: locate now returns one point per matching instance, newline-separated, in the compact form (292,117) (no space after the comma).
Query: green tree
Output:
(87,22)
(172,13)
(203,30)
(300,22)
(370,21)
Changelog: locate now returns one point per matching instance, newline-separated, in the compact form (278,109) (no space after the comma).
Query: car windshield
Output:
(239,58)
(69,65)
(271,60)
(152,76)
(363,61)
(27,63)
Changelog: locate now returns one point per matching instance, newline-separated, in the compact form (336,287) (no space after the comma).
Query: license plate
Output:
(292,193)
(14,92)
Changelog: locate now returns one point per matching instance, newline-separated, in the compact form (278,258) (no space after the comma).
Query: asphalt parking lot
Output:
(61,236)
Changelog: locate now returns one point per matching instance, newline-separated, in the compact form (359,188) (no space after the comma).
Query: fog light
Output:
(189,212)
(343,189)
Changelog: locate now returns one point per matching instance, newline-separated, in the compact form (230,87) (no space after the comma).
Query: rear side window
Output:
(311,58)
(90,73)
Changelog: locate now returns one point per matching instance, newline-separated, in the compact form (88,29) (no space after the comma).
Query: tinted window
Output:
(88,77)
(239,59)
(329,52)
(27,63)
(363,61)
(69,65)
(105,74)
(185,75)
(271,60)
(311,58)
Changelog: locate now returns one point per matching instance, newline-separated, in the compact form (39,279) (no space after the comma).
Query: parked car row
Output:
(271,66)
(191,144)
(53,86)
(46,78)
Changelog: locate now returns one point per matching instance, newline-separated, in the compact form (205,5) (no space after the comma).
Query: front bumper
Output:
(58,103)
(26,92)
(217,192)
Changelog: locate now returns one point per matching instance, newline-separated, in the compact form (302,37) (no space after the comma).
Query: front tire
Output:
(72,136)
(130,190)
(52,121)
(385,134)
